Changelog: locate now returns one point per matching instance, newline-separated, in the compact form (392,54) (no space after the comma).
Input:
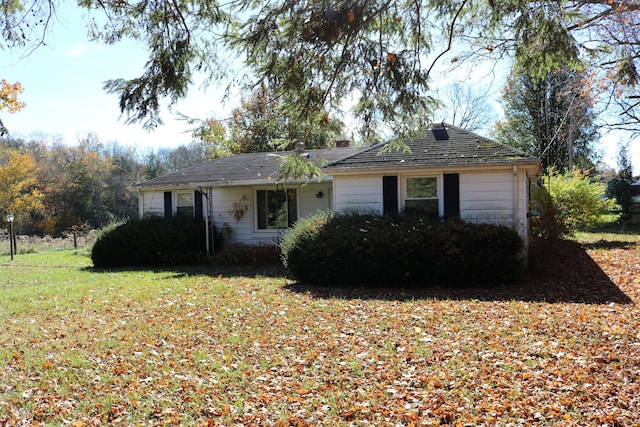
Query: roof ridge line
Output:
(359,151)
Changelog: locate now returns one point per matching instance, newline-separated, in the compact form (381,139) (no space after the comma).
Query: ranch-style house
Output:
(448,172)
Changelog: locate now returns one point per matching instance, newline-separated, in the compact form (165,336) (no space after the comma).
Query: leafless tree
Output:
(466,107)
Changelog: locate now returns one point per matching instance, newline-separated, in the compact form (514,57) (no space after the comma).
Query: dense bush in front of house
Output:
(153,241)
(405,250)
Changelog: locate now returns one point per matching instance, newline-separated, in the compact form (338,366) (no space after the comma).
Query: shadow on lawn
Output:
(607,244)
(562,274)
(176,272)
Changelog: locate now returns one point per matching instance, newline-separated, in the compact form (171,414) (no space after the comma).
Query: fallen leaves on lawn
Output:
(563,348)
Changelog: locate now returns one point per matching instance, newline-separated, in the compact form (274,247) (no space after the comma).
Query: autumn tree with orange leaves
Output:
(19,190)
(9,100)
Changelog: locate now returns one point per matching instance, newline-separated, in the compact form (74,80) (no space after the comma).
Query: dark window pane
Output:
(184,206)
(426,206)
(422,188)
(276,208)
(184,211)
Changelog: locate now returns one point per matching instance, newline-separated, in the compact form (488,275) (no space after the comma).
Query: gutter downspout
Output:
(525,198)
(515,197)
(140,204)
(210,214)
(206,219)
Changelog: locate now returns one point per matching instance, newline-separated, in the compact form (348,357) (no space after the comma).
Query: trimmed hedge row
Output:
(151,241)
(404,250)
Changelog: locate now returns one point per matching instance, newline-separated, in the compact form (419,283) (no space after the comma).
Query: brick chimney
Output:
(342,143)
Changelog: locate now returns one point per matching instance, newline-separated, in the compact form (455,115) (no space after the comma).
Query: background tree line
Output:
(52,186)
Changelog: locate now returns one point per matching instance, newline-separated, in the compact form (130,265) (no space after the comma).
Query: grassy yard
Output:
(203,347)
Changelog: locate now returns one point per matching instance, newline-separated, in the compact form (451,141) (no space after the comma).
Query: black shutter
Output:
(197,205)
(168,210)
(261,208)
(451,195)
(390,195)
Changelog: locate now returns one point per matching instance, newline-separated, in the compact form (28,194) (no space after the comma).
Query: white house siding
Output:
(487,197)
(152,203)
(495,197)
(244,230)
(484,196)
(358,193)
(222,200)
(308,201)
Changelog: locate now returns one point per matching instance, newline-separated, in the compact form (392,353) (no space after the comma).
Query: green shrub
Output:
(565,203)
(151,241)
(578,199)
(370,250)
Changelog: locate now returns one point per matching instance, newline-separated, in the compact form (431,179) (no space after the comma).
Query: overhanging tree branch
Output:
(450,42)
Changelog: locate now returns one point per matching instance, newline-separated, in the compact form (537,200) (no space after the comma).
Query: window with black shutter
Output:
(422,195)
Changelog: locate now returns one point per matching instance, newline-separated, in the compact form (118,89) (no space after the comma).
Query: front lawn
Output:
(212,347)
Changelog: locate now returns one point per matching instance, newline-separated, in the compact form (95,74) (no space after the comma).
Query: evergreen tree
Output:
(263,123)
(620,188)
(550,118)
(156,164)
(380,54)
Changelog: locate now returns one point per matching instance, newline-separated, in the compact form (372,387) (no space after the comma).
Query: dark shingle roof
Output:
(240,168)
(441,146)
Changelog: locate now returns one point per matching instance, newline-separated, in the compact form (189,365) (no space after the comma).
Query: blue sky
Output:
(63,91)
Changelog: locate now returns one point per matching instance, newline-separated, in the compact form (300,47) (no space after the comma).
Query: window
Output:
(184,207)
(422,195)
(276,208)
